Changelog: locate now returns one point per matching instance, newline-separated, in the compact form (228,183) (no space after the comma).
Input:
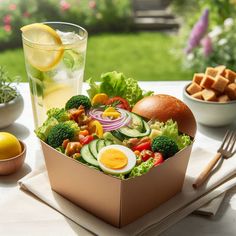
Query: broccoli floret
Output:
(164,145)
(62,131)
(73,125)
(58,113)
(43,131)
(55,115)
(77,100)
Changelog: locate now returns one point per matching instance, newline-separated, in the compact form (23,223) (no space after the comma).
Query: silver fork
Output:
(226,150)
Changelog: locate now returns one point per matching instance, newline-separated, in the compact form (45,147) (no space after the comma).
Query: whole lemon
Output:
(9,146)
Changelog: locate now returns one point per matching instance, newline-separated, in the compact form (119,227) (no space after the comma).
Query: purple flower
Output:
(207,45)
(198,31)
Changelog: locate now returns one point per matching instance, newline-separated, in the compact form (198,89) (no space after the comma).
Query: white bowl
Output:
(10,111)
(211,113)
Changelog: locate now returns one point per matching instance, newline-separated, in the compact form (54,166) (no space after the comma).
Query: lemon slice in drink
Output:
(42,46)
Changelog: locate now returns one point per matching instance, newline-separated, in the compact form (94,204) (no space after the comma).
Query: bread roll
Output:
(163,107)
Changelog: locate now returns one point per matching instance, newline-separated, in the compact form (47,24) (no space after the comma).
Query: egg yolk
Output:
(114,159)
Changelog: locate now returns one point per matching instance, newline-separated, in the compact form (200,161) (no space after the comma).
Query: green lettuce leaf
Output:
(143,168)
(93,87)
(170,129)
(113,84)
(116,84)
(43,131)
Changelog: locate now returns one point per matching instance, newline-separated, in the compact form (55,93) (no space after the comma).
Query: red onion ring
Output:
(109,124)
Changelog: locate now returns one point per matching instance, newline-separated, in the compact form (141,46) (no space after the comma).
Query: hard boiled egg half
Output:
(116,159)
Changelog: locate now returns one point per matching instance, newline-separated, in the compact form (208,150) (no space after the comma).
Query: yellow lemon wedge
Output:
(100,98)
(43,47)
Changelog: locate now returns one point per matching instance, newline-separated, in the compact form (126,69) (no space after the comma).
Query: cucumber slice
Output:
(87,156)
(108,136)
(93,148)
(108,142)
(134,133)
(117,135)
(100,144)
(137,122)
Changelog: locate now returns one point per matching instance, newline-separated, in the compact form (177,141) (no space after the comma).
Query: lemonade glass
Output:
(54,58)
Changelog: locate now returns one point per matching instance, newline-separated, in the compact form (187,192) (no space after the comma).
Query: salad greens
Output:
(81,129)
(170,129)
(58,113)
(54,116)
(143,168)
(43,131)
(117,84)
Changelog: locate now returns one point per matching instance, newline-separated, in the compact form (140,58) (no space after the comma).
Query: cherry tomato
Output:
(120,103)
(146,154)
(87,139)
(142,146)
(158,158)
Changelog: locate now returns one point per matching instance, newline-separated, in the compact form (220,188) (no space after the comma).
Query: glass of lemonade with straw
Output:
(54,58)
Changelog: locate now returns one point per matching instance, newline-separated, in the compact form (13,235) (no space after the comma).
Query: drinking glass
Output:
(54,58)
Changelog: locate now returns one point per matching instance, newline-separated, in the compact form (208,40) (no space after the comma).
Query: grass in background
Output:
(143,56)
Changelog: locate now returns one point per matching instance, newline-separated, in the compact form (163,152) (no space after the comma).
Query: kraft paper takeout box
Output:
(118,202)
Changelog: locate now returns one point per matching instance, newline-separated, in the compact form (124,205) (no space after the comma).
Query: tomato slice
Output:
(87,139)
(158,158)
(142,146)
(119,102)
(146,154)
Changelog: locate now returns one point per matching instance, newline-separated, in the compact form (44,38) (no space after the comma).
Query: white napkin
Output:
(211,207)
(164,216)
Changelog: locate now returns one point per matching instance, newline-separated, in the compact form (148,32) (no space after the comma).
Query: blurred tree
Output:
(94,15)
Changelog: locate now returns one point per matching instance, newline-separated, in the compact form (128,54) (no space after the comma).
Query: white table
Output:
(222,224)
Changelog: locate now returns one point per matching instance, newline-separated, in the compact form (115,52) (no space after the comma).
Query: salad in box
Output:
(102,132)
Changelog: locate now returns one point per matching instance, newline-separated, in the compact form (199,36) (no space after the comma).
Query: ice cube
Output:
(68,37)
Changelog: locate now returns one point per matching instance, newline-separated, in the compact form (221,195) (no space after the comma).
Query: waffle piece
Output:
(207,81)
(223,98)
(220,83)
(230,75)
(198,95)
(230,90)
(213,72)
(194,88)
(198,77)
(221,70)
(209,95)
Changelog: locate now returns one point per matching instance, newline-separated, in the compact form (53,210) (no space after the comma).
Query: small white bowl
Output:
(213,114)
(10,111)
